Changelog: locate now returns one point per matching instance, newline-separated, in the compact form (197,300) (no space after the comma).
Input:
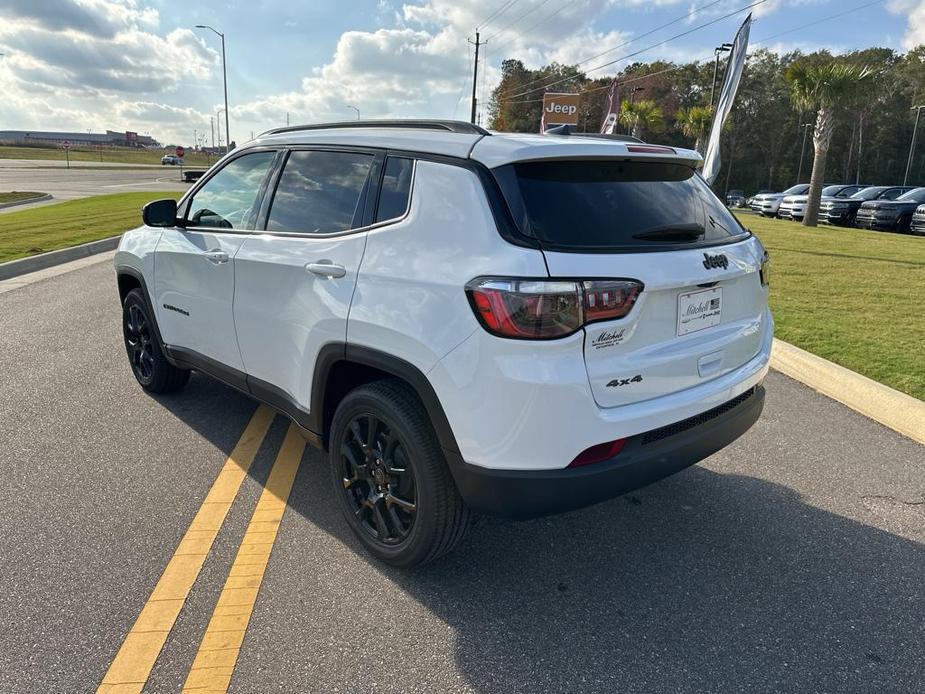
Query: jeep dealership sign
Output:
(560,109)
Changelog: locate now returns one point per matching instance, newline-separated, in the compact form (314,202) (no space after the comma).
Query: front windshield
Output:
(868,193)
(917,195)
(832,190)
(798,189)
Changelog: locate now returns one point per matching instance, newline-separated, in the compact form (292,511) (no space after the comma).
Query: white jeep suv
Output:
(768,204)
(466,321)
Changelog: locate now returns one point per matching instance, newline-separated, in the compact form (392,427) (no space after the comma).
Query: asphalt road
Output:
(793,561)
(83,181)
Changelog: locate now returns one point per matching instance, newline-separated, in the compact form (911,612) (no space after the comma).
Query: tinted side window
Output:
(320,192)
(228,200)
(396,188)
(891,194)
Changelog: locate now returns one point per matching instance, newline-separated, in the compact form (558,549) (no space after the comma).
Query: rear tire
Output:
(149,365)
(391,478)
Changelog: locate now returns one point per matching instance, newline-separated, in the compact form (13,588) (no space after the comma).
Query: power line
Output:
(496,13)
(606,86)
(641,50)
(755,43)
(537,23)
(692,12)
(820,21)
(462,89)
(512,23)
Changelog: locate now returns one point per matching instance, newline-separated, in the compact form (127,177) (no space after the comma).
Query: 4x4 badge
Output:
(715,261)
(617,382)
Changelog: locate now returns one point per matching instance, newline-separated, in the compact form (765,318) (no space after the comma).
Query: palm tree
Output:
(641,116)
(694,122)
(823,88)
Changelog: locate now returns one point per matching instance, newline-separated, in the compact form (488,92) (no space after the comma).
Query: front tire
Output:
(391,477)
(149,365)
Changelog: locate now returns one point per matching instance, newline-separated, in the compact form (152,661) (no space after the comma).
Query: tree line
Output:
(669,103)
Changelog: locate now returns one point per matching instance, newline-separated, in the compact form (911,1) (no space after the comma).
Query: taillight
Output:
(548,309)
(598,453)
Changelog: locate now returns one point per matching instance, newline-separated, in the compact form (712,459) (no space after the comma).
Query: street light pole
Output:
(355,109)
(725,48)
(915,128)
(224,81)
(805,127)
(218,129)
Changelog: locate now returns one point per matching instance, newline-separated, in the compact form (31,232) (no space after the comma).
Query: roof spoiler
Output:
(566,130)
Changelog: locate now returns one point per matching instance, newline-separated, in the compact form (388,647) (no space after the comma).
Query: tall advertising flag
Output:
(712,162)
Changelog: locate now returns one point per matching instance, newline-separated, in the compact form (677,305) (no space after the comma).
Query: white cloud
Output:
(75,64)
(914,10)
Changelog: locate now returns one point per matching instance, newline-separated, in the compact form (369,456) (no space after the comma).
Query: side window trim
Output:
(187,199)
(414,169)
(365,215)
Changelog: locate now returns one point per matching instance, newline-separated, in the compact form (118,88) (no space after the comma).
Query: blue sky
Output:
(141,65)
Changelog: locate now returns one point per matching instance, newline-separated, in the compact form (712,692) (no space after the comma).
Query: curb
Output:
(27,201)
(900,412)
(15,268)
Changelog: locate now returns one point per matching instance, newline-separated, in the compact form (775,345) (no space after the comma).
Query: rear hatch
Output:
(701,312)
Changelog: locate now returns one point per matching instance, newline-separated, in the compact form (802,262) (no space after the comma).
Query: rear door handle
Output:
(216,257)
(325,268)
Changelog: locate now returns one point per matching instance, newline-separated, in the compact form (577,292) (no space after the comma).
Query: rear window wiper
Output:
(676,233)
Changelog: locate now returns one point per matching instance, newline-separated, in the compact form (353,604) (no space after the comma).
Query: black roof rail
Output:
(453,126)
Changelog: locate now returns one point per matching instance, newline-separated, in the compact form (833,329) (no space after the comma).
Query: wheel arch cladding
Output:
(340,368)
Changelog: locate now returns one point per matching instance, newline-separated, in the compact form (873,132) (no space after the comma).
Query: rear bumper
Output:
(646,458)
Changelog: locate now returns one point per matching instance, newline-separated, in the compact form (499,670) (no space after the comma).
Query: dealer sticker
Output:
(699,310)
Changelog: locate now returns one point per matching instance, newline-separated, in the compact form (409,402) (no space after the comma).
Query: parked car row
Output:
(887,208)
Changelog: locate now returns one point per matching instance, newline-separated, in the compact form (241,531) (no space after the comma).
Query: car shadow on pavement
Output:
(701,582)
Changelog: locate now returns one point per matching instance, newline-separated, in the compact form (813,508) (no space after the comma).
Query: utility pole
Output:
(857,178)
(725,48)
(915,128)
(475,74)
(212,128)
(805,127)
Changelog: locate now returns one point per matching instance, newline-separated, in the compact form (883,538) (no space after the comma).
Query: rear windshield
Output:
(614,205)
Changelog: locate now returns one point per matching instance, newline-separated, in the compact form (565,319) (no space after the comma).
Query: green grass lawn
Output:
(117,155)
(18,195)
(64,224)
(851,296)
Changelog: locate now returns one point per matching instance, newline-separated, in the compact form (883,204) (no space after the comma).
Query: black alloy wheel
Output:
(391,477)
(142,345)
(378,480)
(139,343)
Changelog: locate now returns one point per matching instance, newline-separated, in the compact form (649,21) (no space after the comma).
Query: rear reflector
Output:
(595,454)
(548,309)
(650,149)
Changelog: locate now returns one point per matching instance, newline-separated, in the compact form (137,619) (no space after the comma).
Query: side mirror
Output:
(160,213)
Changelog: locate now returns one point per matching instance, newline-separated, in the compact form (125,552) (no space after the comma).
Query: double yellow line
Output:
(221,643)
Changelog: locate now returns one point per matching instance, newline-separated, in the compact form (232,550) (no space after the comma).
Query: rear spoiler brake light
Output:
(650,149)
